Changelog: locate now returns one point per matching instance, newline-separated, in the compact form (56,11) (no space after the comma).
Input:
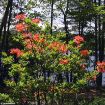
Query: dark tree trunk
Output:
(4,31)
(79,23)
(100,36)
(103,37)
(52,5)
(9,23)
(66,23)
(99,78)
(96,40)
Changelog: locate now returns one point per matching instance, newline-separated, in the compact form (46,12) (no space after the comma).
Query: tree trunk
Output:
(3,34)
(52,5)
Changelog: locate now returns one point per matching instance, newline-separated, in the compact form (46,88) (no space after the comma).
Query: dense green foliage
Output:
(42,61)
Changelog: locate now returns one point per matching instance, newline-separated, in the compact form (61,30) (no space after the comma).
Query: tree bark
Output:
(3,34)
(52,5)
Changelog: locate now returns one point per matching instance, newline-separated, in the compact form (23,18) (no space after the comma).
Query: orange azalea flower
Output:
(16,51)
(34,48)
(42,40)
(27,35)
(56,44)
(29,46)
(36,20)
(21,27)
(78,39)
(63,48)
(36,37)
(27,41)
(20,16)
(84,52)
(101,66)
(64,61)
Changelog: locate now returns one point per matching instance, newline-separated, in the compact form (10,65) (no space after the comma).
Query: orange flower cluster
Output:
(20,17)
(27,35)
(101,66)
(78,39)
(64,61)
(38,39)
(63,48)
(36,20)
(84,52)
(20,27)
(16,51)
(54,45)
(30,45)
(58,47)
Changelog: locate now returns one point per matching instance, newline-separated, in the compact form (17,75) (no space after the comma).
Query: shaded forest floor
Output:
(90,96)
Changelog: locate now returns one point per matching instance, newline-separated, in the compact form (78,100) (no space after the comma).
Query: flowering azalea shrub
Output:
(101,66)
(39,68)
